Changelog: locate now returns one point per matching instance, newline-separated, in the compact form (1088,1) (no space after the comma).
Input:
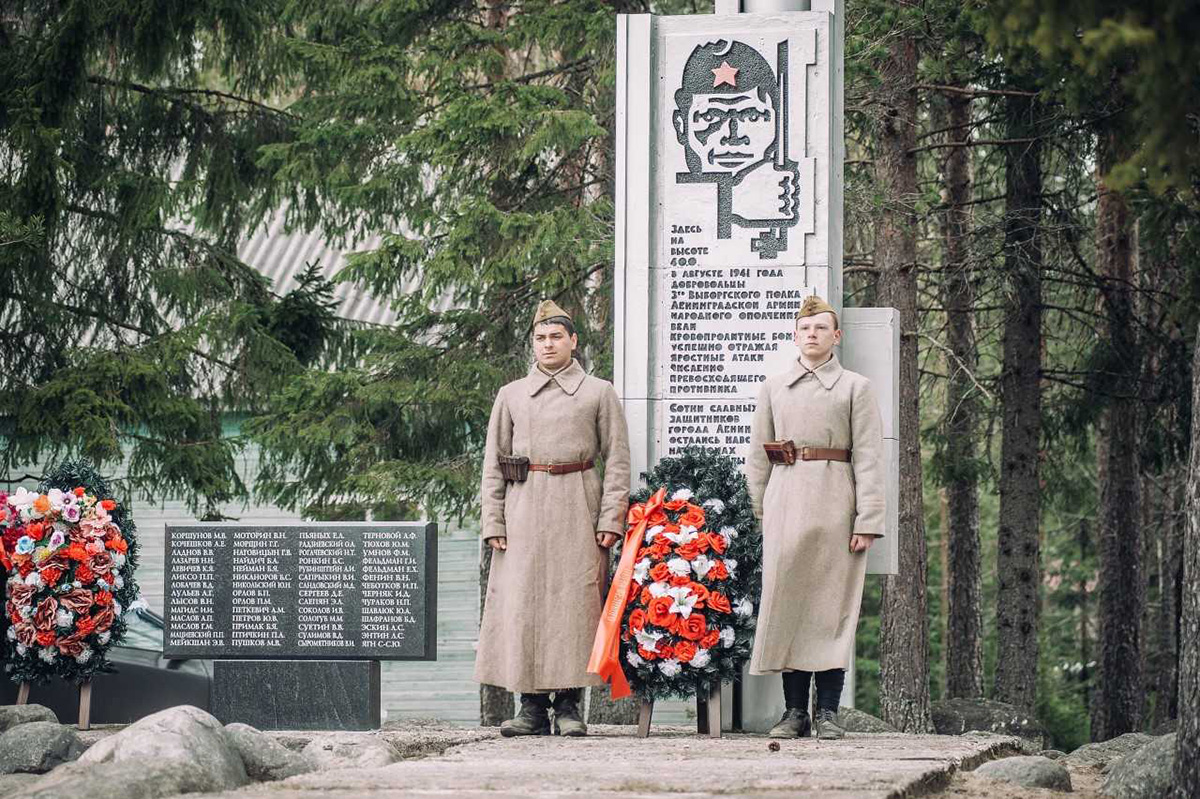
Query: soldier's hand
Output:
(861,543)
(606,540)
(499,543)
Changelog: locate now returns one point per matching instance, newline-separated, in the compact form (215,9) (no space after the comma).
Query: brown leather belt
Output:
(824,454)
(786,453)
(561,468)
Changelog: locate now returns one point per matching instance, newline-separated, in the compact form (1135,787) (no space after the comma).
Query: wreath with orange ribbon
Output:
(687,584)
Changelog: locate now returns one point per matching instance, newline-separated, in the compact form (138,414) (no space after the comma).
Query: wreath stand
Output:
(85,702)
(708,714)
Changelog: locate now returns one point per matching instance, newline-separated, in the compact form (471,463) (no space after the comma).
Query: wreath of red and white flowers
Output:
(66,561)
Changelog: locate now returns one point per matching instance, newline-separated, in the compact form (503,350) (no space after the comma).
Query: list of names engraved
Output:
(325,589)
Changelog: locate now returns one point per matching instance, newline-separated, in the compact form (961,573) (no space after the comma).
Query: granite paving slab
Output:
(612,762)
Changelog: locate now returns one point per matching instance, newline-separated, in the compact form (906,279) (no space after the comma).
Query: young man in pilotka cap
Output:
(550,518)
(816,476)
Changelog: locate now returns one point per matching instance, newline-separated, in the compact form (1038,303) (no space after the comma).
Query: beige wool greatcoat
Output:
(812,583)
(545,592)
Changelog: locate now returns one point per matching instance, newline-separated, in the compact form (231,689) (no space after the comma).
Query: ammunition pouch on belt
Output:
(514,468)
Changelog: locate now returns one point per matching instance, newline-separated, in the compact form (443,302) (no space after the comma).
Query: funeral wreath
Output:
(68,552)
(688,621)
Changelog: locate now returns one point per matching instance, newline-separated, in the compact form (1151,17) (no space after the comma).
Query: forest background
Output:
(1021,183)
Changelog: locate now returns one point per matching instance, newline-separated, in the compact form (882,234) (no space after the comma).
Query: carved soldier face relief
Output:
(729,132)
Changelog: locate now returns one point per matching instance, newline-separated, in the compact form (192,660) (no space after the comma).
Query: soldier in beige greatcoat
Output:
(820,515)
(549,521)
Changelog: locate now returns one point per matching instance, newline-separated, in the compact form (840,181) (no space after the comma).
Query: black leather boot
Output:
(568,720)
(533,718)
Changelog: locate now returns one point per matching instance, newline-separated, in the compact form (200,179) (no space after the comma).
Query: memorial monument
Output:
(298,616)
(729,213)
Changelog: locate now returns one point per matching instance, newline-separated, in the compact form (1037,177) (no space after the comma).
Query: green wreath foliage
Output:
(710,475)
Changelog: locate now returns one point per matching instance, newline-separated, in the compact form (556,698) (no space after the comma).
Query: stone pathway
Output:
(614,763)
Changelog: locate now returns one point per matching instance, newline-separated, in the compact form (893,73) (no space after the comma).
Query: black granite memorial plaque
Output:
(322,590)
(297,694)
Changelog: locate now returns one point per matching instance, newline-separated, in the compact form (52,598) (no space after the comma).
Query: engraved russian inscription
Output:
(304,590)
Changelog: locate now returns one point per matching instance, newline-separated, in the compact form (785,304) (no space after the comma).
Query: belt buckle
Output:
(550,467)
(804,453)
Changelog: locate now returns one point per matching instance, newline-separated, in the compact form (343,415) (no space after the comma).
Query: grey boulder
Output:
(853,720)
(265,759)
(37,747)
(178,750)
(958,716)
(347,750)
(1100,754)
(1030,771)
(1143,774)
(12,715)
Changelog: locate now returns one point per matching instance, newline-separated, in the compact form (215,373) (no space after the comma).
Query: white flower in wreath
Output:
(715,505)
(22,498)
(71,513)
(84,656)
(119,582)
(57,539)
(685,536)
(648,640)
(653,531)
(728,533)
(641,570)
(103,638)
(701,565)
(727,636)
(55,495)
(684,494)
(743,607)
(634,659)
(118,559)
(117,610)
(64,618)
(12,633)
(685,600)
(22,649)
(659,589)
(48,653)
(35,579)
(679,567)
(669,667)
(731,567)
(701,659)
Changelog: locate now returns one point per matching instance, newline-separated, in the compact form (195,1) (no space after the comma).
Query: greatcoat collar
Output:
(569,378)
(827,374)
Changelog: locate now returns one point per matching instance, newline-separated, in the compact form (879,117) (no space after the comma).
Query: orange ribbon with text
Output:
(606,649)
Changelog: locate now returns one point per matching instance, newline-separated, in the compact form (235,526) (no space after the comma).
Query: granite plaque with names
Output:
(321,590)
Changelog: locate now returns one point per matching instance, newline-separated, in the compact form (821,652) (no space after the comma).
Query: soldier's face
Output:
(816,336)
(553,346)
(728,132)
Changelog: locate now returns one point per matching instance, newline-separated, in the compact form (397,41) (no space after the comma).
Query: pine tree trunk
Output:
(904,634)
(1117,705)
(495,703)
(1187,742)
(1170,576)
(1018,570)
(964,619)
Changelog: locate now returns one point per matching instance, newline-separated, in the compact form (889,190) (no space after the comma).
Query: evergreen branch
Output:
(570,66)
(150,90)
(973,93)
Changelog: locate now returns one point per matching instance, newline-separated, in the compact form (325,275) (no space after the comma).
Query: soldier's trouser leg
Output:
(532,719)
(568,715)
(829,693)
(795,722)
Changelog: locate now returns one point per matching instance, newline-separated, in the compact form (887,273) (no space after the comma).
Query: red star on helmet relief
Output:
(725,74)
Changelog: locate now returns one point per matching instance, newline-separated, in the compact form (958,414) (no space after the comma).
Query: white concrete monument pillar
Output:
(729,213)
